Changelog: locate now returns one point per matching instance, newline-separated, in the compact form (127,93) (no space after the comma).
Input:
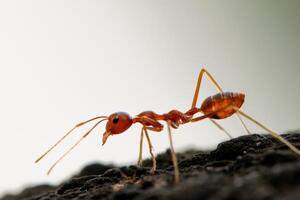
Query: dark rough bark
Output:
(247,167)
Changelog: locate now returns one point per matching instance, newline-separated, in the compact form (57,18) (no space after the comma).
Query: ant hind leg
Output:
(221,128)
(273,134)
(214,82)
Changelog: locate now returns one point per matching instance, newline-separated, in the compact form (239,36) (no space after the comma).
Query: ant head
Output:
(117,123)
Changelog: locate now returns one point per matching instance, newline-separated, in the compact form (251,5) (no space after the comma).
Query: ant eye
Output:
(115,120)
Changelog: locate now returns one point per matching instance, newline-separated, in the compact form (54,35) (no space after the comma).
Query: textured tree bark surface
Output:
(247,167)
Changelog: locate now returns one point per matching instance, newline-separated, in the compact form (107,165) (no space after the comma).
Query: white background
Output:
(62,62)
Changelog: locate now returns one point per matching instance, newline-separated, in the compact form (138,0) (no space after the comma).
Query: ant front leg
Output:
(153,125)
(214,82)
(153,169)
(140,159)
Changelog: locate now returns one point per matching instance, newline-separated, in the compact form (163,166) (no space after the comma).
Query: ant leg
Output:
(86,134)
(154,126)
(221,128)
(243,123)
(214,82)
(173,154)
(273,134)
(153,169)
(76,126)
(140,159)
(197,91)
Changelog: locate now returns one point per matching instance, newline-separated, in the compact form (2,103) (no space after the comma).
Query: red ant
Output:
(218,106)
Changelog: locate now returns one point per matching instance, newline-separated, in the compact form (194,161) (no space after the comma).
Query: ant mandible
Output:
(218,106)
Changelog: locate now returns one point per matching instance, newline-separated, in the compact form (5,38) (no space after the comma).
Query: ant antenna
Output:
(76,126)
(86,134)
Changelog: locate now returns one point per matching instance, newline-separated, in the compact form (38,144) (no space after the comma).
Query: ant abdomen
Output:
(220,101)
